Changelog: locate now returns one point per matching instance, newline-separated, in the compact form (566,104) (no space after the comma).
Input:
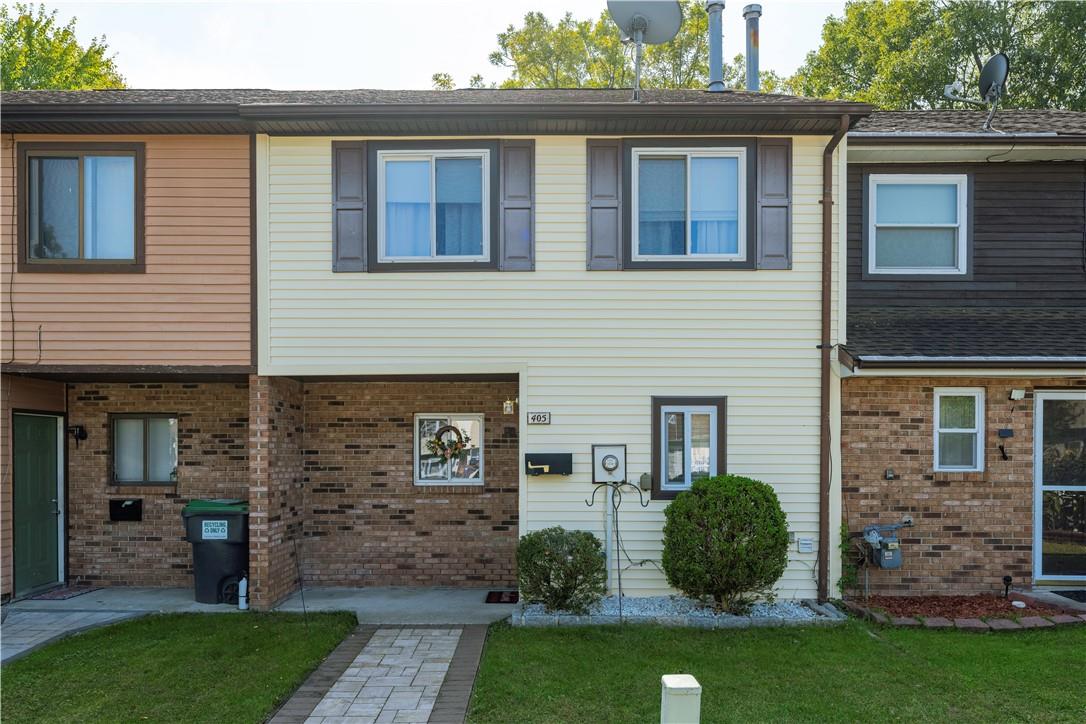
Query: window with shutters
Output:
(688,204)
(433,205)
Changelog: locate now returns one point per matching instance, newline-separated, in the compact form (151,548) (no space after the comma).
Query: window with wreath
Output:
(448,449)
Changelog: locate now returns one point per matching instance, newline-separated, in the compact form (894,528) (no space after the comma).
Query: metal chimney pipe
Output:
(752,13)
(715,9)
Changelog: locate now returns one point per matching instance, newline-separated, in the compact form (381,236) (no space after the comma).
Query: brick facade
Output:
(276,495)
(212,462)
(971,528)
(368,524)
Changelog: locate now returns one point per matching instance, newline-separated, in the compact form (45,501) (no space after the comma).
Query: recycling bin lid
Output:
(216,506)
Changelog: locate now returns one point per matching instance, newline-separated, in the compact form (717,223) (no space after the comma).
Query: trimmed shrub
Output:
(562,569)
(726,539)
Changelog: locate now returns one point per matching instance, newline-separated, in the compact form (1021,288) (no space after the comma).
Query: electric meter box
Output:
(608,463)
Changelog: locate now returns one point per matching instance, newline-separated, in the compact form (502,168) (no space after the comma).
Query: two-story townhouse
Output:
(522,274)
(126,335)
(964,398)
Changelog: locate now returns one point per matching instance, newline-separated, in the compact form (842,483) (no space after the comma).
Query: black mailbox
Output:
(126,509)
(548,463)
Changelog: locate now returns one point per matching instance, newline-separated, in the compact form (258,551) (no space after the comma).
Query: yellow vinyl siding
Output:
(591,347)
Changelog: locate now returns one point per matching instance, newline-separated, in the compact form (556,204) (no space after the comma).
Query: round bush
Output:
(562,569)
(726,538)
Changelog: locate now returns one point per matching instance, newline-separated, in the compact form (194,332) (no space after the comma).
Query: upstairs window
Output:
(688,205)
(959,429)
(81,207)
(917,224)
(433,206)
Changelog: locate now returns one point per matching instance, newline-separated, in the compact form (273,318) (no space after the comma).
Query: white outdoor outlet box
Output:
(608,463)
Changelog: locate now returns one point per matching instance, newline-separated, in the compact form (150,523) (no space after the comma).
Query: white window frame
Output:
(384,156)
(1040,487)
(977,393)
(690,153)
(687,410)
(448,417)
(961,181)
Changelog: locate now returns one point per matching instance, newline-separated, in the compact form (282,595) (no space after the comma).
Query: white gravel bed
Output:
(674,611)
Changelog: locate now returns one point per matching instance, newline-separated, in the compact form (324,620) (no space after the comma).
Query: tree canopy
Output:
(39,53)
(572,53)
(901,53)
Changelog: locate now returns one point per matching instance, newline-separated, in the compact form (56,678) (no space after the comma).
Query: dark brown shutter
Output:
(604,205)
(518,193)
(348,206)
(775,203)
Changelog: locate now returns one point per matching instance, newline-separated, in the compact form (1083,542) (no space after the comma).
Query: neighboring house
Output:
(126,338)
(663,274)
(965,407)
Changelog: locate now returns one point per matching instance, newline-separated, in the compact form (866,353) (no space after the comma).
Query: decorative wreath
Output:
(448,449)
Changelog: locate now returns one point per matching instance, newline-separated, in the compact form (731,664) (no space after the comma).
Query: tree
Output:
(573,53)
(442,81)
(900,53)
(38,53)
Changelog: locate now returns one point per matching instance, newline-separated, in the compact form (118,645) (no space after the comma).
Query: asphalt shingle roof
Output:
(967,332)
(1069,123)
(250,96)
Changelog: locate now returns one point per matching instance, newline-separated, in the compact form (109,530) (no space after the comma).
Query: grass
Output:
(854,672)
(172,668)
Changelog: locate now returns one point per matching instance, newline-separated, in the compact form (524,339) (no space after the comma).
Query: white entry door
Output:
(1059,505)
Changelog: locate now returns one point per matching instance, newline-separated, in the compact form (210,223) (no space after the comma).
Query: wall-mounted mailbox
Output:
(548,463)
(126,509)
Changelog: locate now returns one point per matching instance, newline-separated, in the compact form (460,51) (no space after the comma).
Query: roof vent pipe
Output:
(752,13)
(715,8)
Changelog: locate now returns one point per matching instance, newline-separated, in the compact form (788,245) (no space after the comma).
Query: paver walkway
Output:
(391,674)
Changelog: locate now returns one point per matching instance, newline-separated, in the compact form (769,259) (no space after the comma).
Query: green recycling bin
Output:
(219,533)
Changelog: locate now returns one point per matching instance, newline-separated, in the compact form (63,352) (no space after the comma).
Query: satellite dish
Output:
(993,77)
(993,82)
(645,21)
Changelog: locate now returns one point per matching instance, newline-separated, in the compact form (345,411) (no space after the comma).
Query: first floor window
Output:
(434,205)
(80,206)
(458,458)
(688,204)
(689,441)
(959,429)
(145,449)
(917,224)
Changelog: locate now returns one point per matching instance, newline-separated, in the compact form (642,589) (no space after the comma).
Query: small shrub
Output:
(562,569)
(726,538)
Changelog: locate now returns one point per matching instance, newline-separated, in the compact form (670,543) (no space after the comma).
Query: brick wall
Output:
(369,525)
(971,528)
(213,462)
(275,493)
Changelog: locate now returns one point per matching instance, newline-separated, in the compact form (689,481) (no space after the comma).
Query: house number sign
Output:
(539,418)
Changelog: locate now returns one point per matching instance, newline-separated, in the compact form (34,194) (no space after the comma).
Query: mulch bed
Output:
(952,607)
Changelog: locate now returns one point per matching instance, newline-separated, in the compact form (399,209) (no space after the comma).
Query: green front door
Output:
(37,504)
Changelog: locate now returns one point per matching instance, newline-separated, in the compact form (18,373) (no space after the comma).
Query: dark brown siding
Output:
(1029,238)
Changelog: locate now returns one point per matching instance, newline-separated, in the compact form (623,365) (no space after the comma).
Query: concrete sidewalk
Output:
(29,624)
(401,605)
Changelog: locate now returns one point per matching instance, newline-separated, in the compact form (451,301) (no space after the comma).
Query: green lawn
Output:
(172,668)
(855,672)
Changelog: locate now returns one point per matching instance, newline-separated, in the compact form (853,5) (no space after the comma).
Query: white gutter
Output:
(933,359)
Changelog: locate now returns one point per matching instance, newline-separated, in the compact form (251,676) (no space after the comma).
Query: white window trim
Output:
(977,393)
(962,227)
(689,153)
(384,156)
(415,454)
(711,410)
(1040,486)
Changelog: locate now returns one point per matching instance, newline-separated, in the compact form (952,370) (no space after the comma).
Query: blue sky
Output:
(365,43)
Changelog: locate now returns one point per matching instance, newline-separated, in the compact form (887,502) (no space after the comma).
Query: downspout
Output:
(825,346)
